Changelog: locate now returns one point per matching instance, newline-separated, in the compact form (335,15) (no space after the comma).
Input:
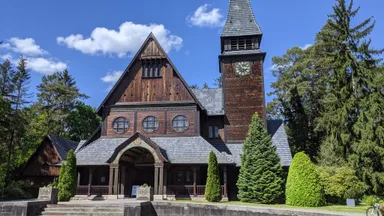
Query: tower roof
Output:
(240,20)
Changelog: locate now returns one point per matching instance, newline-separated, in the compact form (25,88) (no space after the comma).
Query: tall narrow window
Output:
(213,131)
(151,68)
(144,70)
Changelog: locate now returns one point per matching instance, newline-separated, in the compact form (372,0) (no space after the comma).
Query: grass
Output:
(334,208)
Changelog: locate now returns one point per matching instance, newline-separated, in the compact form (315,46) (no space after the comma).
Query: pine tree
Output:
(67,178)
(213,187)
(298,92)
(58,95)
(260,177)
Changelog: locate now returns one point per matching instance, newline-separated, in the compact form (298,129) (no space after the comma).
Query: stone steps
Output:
(83,209)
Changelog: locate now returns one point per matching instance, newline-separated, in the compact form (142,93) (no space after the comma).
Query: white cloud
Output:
(125,41)
(45,66)
(25,46)
(111,78)
(34,55)
(204,17)
(306,46)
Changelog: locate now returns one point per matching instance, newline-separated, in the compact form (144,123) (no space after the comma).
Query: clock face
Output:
(242,68)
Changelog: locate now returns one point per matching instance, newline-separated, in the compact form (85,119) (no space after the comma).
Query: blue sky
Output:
(96,40)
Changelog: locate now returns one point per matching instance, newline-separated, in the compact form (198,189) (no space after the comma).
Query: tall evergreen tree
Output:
(260,178)
(298,90)
(16,97)
(213,187)
(58,95)
(67,178)
(347,121)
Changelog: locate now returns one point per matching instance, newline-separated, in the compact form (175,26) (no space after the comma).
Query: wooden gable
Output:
(133,87)
(40,164)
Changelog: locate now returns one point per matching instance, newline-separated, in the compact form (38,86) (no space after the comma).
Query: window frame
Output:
(213,132)
(185,125)
(151,69)
(152,129)
(126,122)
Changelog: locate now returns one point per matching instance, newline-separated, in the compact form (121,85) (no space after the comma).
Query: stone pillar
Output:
(122,183)
(161,180)
(110,189)
(225,180)
(194,182)
(165,179)
(116,181)
(156,185)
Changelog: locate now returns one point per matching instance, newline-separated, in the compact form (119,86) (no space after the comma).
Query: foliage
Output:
(57,96)
(194,86)
(145,185)
(82,121)
(213,187)
(205,86)
(218,82)
(67,178)
(331,97)
(298,91)
(260,178)
(371,200)
(341,183)
(20,190)
(303,183)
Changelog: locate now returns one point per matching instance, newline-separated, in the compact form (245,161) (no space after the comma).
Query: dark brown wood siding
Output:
(45,154)
(243,96)
(168,87)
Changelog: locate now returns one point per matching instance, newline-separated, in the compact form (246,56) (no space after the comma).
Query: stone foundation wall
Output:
(192,209)
(23,208)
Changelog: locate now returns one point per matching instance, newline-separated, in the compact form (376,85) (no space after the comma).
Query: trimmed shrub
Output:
(67,178)
(303,183)
(260,178)
(213,187)
(341,183)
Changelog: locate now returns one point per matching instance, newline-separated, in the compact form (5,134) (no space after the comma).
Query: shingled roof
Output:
(240,20)
(62,146)
(186,150)
(211,100)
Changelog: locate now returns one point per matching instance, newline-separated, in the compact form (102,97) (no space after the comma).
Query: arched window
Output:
(120,125)
(150,124)
(180,123)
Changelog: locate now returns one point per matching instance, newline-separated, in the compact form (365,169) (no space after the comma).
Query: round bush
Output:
(303,184)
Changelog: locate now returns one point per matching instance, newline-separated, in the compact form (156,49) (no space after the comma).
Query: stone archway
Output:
(135,152)
(137,167)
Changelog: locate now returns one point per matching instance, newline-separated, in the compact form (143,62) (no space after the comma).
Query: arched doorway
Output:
(136,168)
(136,161)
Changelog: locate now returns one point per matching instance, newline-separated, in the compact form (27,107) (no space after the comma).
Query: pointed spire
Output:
(240,20)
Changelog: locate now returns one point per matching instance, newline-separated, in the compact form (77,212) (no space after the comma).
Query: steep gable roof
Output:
(143,46)
(240,20)
(62,146)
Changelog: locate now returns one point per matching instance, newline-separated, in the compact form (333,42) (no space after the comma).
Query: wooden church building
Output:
(156,130)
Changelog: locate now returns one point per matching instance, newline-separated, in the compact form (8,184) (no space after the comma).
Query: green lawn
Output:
(335,208)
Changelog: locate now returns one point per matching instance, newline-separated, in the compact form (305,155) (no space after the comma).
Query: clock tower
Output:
(241,67)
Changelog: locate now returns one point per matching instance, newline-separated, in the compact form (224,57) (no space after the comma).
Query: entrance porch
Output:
(170,181)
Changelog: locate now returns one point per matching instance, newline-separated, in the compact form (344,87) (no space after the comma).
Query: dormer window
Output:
(241,43)
(151,68)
